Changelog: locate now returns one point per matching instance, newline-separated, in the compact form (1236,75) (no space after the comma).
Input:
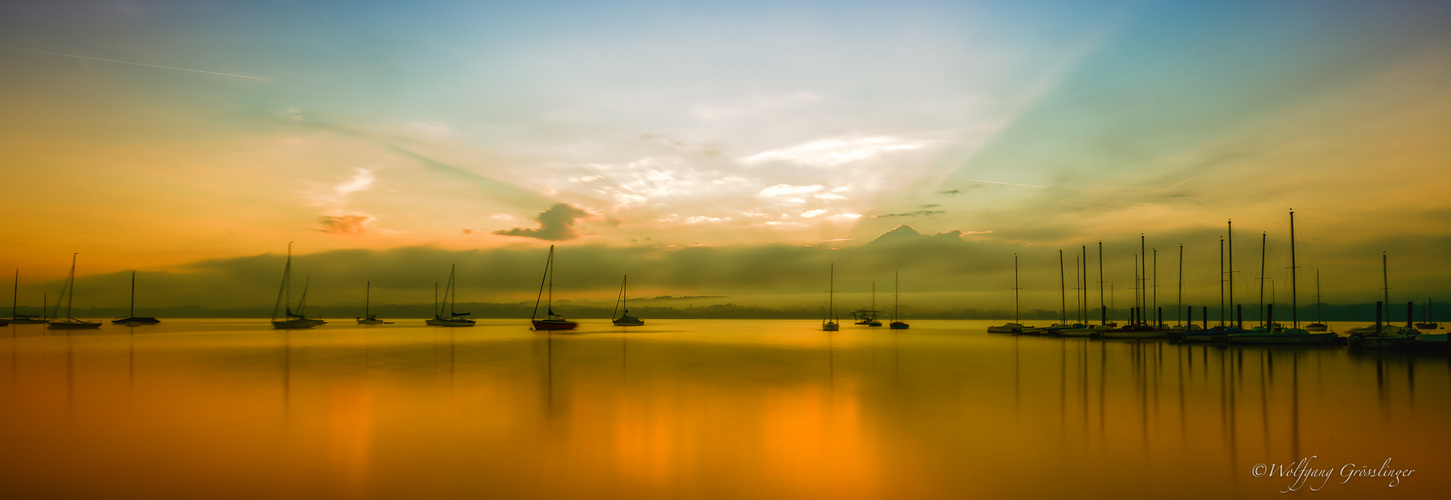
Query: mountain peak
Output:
(898,233)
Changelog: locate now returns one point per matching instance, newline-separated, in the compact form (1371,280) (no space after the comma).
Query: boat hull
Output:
(1014,328)
(554,324)
(830,327)
(370,322)
(136,321)
(449,322)
(1283,338)
(292,324)
(72,325)
(898,325)
(628,321)
(1133,334)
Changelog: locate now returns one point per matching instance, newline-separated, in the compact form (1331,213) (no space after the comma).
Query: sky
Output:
(731,149)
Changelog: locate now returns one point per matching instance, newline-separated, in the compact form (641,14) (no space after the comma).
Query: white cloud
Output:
(788,189)
(832,152)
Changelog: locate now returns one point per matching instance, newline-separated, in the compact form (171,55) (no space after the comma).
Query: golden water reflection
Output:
(706,409)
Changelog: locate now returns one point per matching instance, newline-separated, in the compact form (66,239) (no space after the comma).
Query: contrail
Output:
(234,75)
(1183,181)
(1006,183)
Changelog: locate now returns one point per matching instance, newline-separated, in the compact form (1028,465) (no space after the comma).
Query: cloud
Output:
(555,224)
(832,152)
(354,223)
(912,214)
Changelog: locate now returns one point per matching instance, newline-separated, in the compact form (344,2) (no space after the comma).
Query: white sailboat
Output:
(621,303)
(288,320)
(450,296)
(69,293)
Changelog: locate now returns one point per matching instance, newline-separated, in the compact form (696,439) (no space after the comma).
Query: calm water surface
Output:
(704,409)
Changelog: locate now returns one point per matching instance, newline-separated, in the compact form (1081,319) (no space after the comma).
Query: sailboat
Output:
(368,317)
(551,321)
(1318,325)
(450,296)
(620,304)
(1271,334)
(70,323)
(1428,324)
(288,320)
(897,323)
(21,319)
(868,317)
(829,323)
(1015,327)
(133,319)
(1386,335)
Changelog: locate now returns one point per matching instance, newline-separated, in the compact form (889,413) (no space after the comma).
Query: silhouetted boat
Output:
(1428,324)
(450,298)
(1272,333)
(621,304)
(133,319)
(551,321)
(1318,325)
(288,320)
(1383,335)
(897,323)
(868,317)
(368,317)
(22,319)
(1015,327)
(829,323)
(69,293)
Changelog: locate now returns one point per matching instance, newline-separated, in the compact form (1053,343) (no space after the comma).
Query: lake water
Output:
(703,409)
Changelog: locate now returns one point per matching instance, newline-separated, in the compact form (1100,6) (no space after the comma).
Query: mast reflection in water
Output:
(696,408)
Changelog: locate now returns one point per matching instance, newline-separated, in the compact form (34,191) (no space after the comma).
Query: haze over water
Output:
(698,408)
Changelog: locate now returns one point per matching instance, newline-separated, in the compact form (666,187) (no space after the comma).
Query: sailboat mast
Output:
(1084,298)
(897,293)
(1062,289)
(1263,236)
(1142,286)
(133,294)
(367,298)
(287,279)
(1103,313)
(1385,285)
(551,278)
(15,298)
(71,286)
(1221,282)
(1179,310)
(1153,310)
(1231,265)
(1135,319)
(831,291)
(1294,308)
(1079,289)
(452,289)
(1015,289)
